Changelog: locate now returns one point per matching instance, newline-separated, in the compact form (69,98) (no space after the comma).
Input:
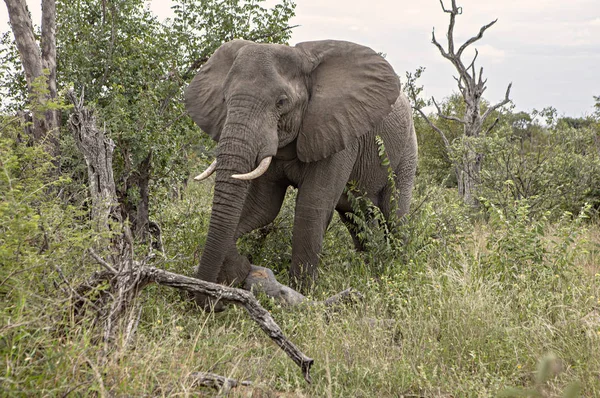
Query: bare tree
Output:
(39,61)
(472,86)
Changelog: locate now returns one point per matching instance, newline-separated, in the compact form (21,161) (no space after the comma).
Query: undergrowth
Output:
(455,304)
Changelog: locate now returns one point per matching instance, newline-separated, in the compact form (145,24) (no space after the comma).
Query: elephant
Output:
(304,116)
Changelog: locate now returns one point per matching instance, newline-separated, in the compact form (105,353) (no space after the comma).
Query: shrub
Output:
(556,170)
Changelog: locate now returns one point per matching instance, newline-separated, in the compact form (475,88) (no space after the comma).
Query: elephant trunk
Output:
(235,156)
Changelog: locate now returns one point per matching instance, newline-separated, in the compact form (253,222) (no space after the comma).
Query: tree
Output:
(39,65)
(467,157)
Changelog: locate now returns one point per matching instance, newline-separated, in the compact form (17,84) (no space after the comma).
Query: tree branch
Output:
(237,296)
(140,276)
(446,117)
(475,38)
(505,101)
(472,65)
(103,263)
(413,95)
(216,381)
(492,126)
(436,128)
(439,46)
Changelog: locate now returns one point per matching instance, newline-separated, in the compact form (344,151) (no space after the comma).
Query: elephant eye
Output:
(282,101)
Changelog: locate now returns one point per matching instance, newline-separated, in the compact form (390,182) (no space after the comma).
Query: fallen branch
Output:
(263,279)
(216,381)
(146,275)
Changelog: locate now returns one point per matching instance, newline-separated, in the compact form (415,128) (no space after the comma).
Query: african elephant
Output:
(303,116)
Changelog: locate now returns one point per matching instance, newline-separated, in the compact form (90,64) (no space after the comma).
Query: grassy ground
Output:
(466,307)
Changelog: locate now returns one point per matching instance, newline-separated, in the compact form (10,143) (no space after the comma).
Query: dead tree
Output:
(39,62)
(97,150)
(472,86)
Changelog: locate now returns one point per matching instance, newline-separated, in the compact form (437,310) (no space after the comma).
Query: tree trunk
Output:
(467,174)
(469,168)
(97,150)
(37,63)
(142,219)
(22,28)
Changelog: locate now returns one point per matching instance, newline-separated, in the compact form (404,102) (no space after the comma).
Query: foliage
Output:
(555,165)
(12,78)
(42,240)
(556,169)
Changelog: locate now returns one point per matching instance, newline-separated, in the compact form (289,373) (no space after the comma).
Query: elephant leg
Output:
(318,194)
(352,229)
(263,202)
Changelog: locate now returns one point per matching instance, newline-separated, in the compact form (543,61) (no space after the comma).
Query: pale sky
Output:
(548,49)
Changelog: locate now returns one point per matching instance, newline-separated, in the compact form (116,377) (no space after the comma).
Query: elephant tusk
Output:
(257,172)
(207,173)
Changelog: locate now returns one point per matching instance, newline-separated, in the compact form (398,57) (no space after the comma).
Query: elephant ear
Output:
(204,96)
(353,88)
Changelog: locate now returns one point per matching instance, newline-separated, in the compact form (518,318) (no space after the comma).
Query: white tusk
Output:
(257,172)
(207,172)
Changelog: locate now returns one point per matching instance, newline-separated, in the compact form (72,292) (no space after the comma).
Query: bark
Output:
(468,174)
(137,211)
(224,384)
(35,62)
(142,218)
(97,149)
(48,46)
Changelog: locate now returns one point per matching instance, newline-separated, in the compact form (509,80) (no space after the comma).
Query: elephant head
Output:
(255,99)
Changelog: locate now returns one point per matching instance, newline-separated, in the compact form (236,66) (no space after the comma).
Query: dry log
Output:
(263,279)
(145,275)
(237,296)
(216,381)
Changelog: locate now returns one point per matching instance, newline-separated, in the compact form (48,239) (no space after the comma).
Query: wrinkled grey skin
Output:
(316,108)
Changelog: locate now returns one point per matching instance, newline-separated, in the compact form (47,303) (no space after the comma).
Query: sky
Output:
(548,49)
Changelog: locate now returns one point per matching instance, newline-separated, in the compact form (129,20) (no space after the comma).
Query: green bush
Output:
(556,170)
